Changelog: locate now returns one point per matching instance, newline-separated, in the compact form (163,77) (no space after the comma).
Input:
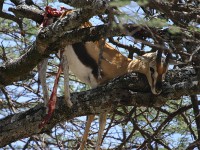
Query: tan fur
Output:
(113,64)
(86,131)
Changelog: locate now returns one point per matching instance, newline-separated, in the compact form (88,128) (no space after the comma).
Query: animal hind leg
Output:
(90,118)
(42,67)
(65,66)
(102,124)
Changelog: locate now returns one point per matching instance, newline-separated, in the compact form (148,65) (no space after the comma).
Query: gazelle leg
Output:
(90,118)
(52,100)
(42,67)
(65,66)
(102,124)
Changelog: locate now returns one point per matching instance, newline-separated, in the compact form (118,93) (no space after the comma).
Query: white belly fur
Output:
(81,71)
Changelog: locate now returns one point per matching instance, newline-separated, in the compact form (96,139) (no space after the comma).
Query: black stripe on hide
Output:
(85,58)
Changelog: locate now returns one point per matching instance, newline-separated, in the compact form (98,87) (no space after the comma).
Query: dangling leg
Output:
(65,66)
(90,118)
(42,67)
(52,100)
(102,124)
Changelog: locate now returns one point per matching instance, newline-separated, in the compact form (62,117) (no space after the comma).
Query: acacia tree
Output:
(137,119)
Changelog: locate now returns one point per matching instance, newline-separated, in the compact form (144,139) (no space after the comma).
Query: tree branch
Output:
(55,37)
(40,49)
(94,4)
(9,16)
(175,12)
(12,71)
(129,90)
(18,2)
(30,12)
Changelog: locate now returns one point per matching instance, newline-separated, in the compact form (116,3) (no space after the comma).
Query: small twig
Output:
(10,103)
(57,140)
(194,52)
(4,56)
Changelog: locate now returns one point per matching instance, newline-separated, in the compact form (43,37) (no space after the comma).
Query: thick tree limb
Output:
(30,12)
(69,22)
(128,90)
(95,4)
(10,17)
(13,71)
(43,46)
(55,37)
(18,2)
(21,67)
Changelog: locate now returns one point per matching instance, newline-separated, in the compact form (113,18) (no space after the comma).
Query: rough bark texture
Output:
(129,90)
(96,4)
(15,70)
(29,11)
(50,40)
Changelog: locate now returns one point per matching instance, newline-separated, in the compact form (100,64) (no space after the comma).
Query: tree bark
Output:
(129,90)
